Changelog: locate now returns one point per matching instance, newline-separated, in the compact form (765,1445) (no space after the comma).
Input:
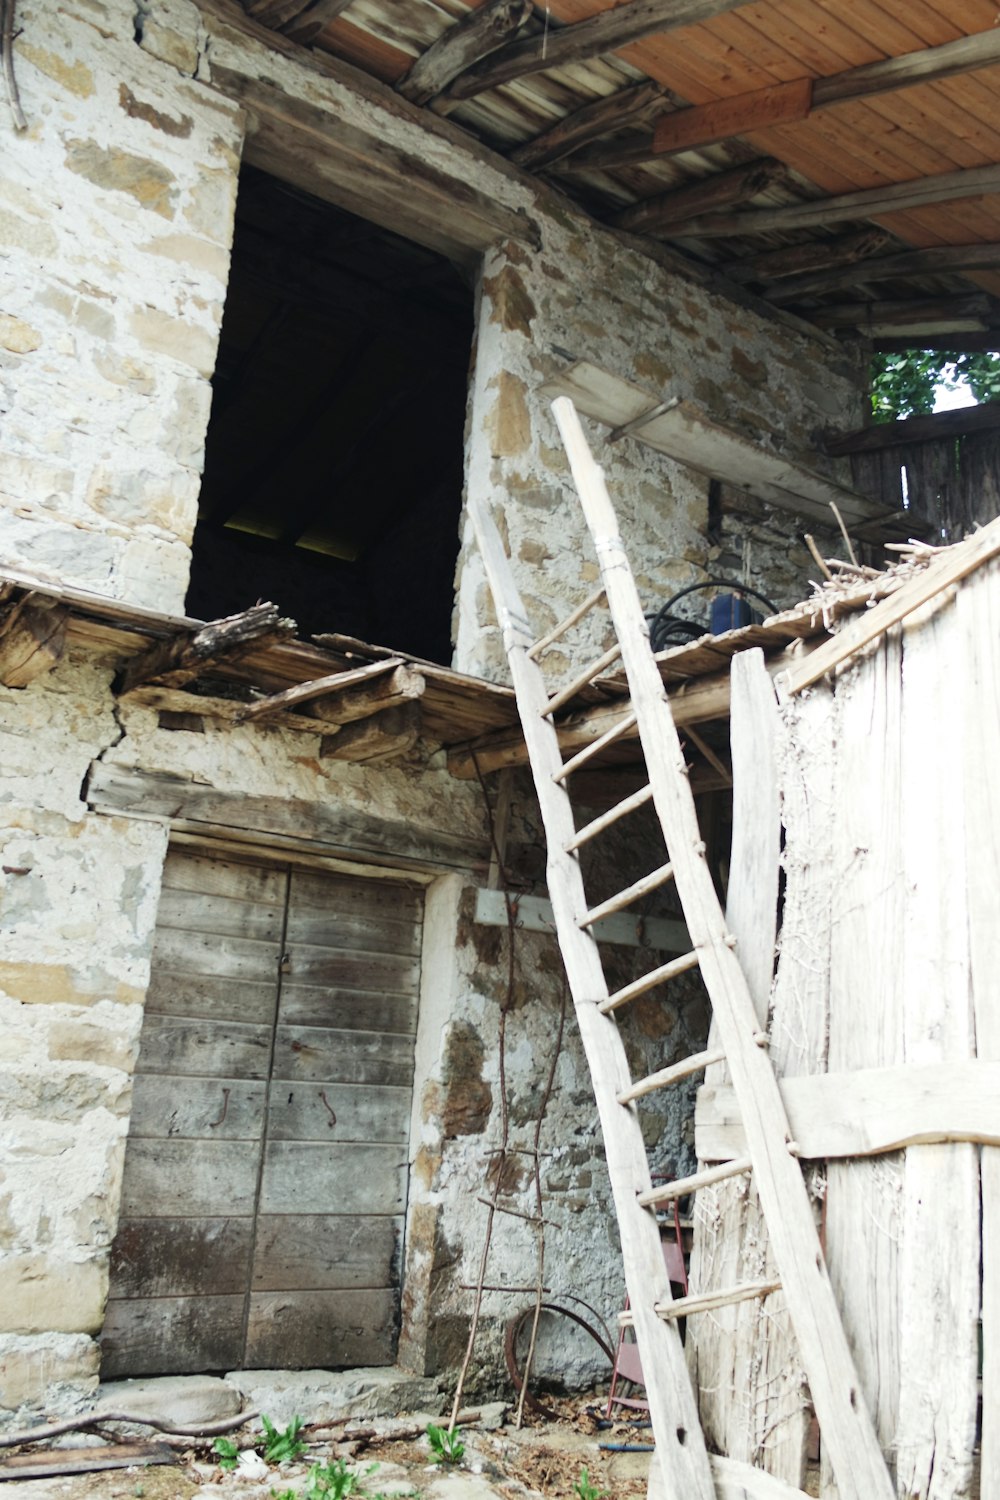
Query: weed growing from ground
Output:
(588,1491)
(227,1452)
(280,1447)
(446,1445)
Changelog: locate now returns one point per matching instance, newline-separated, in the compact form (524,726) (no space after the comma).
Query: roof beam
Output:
(32,640)
(189,655)
(941,260)
(944,187)
(971,314)
(607,32)
(478,34)
(669,212)
(588,124)
(923,429)
(814,256)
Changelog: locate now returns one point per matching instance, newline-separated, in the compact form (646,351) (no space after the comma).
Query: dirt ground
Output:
(544,1457)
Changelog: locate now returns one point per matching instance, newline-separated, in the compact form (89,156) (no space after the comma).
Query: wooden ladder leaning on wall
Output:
(685,1470)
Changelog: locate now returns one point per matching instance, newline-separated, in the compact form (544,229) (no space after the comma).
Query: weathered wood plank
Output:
(306,1177)
(181,1257)
(937,260)
(589,123)
(32,643)
(329,686)
(338,1112)
(195,1179)
(777,104)
(865,1112)
(42,1463)
(209,954)
(381,736)
(308,964)
(223,916)
(339,931)
(978,608)
(168,1335)
(328,1330)
(211,997)
(345,896)
(209,1109)
(310,1054)
(191,1045)
(164,797)
(478,33)
(939,1252)
(923,429)
(324,1252)
(667,212)
(347,1010)
(183,658)
(263,885)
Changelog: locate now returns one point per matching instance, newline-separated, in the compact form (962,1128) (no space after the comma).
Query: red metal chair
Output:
(628,1366)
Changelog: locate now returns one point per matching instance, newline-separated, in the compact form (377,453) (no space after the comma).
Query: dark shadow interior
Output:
(333,468)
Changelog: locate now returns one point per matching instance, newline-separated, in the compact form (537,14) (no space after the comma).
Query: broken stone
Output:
(183,1400)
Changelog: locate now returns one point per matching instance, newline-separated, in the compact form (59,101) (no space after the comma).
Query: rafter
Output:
(668,212)
(941,260)
(478,34)
(844,252)
(588,124)
(175,662)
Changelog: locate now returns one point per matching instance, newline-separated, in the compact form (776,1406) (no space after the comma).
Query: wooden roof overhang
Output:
(841,162)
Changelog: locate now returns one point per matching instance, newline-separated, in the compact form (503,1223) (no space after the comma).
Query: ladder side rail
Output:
(673,1408)
(846,1424)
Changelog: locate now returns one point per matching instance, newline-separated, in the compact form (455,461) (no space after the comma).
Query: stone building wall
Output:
(116,212)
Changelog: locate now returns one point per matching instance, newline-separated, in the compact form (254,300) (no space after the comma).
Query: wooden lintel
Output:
(607,32)
(923,429)
(792,260)
(319,687)
(941,260)
(778,104)
(173,663)
(402,686)
(670,211)
(867,203)
(32,641)
(864,1113)
(379,736)
(933,313)
(588,124)
(477,34)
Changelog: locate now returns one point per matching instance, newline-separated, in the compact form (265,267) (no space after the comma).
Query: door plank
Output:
(321,1252)
(329,1330)
(171,1335)
(306,1177)
(312,1054)
(349,1112)
(210,996)
(347,1010)
(182,1044)
(206,953)
(206,873)
(342,895)
(371,932)
(194,911)
(210,1109)
(191,1178)
(356,970)
(181,1257)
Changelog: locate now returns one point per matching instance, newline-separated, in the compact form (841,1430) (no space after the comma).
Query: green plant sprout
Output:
(227,1451)
(587,1490)
(280,1447)
(446,1445)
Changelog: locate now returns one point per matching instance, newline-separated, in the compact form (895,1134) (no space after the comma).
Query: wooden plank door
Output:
(265,1169)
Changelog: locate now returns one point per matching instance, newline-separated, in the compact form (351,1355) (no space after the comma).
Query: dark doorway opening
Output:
(333,466)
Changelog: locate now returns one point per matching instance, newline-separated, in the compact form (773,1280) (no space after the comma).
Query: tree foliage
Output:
(903,385)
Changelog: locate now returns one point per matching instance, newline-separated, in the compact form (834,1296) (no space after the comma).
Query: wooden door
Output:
(265,1169)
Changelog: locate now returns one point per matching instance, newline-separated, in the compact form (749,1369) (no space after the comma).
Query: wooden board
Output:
(325,1330)
(210,953)
(210,997)
(171,1335)
(307,963)
(179,1178)
(163,1257)
(185,1045)
(224,916)
(338,1112)
(210,1109)
(685,432)
(308,1177)
(322,1252)
(348,1010)
(311,1054)
(40,1463)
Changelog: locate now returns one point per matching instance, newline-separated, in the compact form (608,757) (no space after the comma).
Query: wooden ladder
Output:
(848,1433)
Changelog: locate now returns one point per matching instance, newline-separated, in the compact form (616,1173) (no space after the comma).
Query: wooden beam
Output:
(785,103)
(397,689)
(941,260)
(865,1112)
(588,124)
(792,260)
(778,104)
(32,641)
(327,687)
(950,566)
(307,25)
(477,34)
(534,914)
(945,187)
(667,211)
(382,736)
(924,314)
(607,32)
(175,662)
(923,429)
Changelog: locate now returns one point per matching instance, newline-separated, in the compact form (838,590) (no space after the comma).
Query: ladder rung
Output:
(611,816)
(673,1074)
(595,747)
(650,882)
(684,1185)
(559,630)
(572,688)
(684,1307)
(649,981)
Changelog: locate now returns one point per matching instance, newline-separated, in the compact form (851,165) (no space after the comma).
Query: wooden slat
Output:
(305,1177)
(348,1010)
(667,213)
(847,1426)
(338,1112)
(563,696)
(666,1076)
(208,1109)
(698,1302)
(659,975)
(688,434)
(210,997)
(308,963)
(478,33)
(935,427)
(173,1257)
(180,1178)
(312,1054)
(865,1112)
(608,819)
(329,686)
(634,892)
(339,931)
(171,1335)
(666,1192)
(590,122)
(323,1252)
(558,631)
(194,911)
(197,1047)
(209,953)
(253,884)
(610,736)
(39,1463)
(330,1330)
(776,104)
(978,607)
(187,655)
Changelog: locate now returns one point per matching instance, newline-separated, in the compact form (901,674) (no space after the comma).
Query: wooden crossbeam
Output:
(924,314)
(588,124)
(173,663)
(606,32)
(941,260)
(928,428)
(347,696)
(380,736)
(842,253)
(477,34)
(32,641)
(318,14)
(778,104)
(670,211)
